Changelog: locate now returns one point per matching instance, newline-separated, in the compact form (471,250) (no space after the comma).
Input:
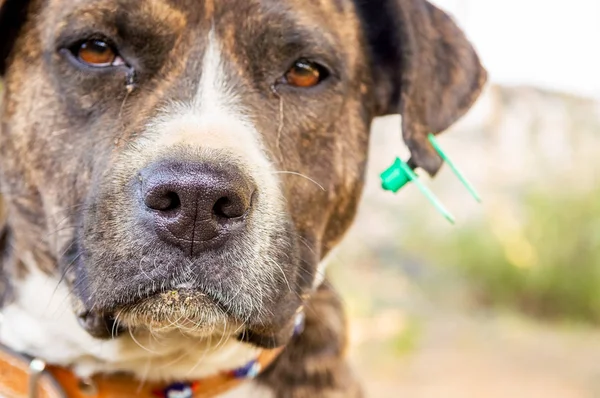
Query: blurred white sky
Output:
(549,43)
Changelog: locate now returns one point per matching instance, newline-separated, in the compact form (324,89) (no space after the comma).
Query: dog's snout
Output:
(195,206)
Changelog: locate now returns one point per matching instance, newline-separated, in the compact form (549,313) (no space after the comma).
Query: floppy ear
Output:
(12,16)
(424,69)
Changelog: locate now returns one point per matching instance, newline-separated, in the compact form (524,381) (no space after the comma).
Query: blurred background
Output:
(506,303)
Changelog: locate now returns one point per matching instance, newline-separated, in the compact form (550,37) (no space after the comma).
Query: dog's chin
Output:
(188,311)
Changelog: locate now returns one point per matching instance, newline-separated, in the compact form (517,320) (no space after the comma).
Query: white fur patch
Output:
(213,119)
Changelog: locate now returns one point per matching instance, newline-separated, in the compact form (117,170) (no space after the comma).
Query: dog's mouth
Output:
(186,310)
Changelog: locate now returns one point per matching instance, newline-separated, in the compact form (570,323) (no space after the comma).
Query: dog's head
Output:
(188,164)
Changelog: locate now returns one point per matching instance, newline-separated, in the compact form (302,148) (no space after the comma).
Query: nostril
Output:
(173,200)
(230,207)
(220,207)
(163,201)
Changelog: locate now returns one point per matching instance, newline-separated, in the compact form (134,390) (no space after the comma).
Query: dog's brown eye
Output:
(96,53)
(304,74)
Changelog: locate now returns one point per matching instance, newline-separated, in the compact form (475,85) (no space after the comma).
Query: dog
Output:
(175,173)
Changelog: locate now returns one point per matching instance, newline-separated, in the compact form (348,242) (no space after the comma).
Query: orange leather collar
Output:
(24,378)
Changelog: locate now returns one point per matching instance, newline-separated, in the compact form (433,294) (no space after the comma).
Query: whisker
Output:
(139,344)
(300,175)
(282,274)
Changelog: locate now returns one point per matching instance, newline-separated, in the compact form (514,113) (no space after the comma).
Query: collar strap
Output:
(21,378)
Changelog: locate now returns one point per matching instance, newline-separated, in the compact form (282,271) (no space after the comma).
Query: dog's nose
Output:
(196,206)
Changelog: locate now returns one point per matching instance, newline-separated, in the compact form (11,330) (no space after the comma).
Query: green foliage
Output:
(544,262)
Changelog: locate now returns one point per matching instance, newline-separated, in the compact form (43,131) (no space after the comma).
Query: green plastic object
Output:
(457,172)
(395,177)
(399,174)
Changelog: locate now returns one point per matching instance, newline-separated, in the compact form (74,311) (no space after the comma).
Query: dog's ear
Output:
(12,16)
(424,69)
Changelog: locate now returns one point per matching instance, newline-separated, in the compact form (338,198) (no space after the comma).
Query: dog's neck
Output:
(39,322)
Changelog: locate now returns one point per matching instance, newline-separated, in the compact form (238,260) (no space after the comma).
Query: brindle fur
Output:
(63,132)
